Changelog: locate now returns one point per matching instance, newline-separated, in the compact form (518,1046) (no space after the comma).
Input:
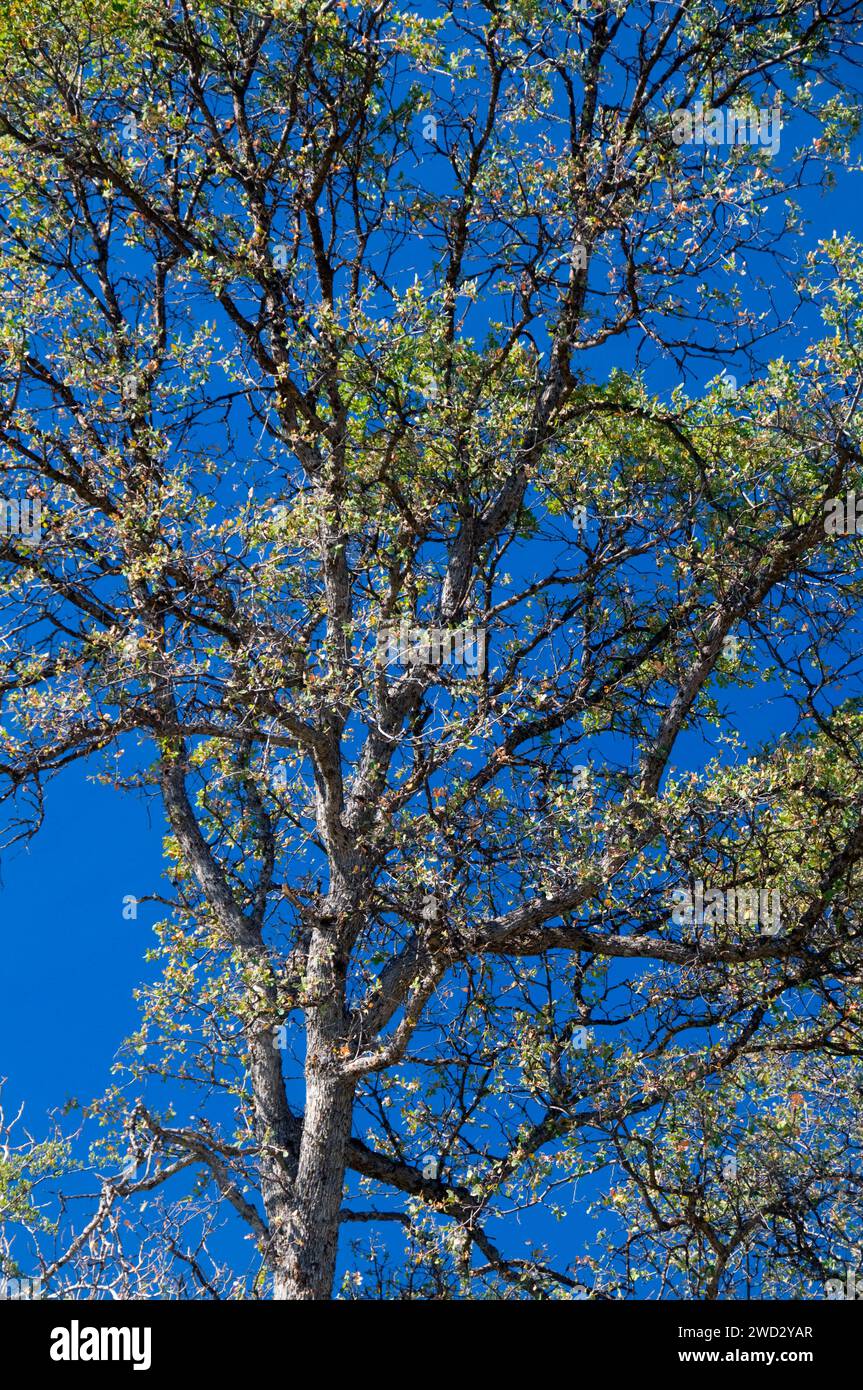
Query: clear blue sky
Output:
(70,961)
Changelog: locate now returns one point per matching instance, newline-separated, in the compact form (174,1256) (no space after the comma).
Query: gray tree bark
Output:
(306,1244)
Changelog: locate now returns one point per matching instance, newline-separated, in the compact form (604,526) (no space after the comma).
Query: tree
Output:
(430,625)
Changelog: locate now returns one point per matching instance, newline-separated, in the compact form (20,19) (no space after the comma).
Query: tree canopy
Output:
(352,366)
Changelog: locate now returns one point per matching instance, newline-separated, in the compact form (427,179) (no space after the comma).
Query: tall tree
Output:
(346,519)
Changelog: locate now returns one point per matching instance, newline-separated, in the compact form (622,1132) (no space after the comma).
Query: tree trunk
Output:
(306,1265)
(305,1256)
(277,1140)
